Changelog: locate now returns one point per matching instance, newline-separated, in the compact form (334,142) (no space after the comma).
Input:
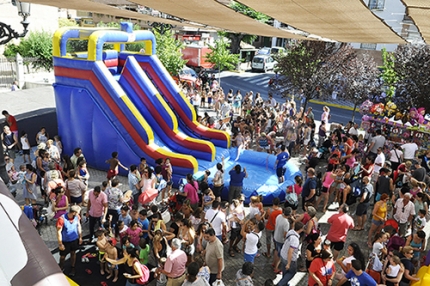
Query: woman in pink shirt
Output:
(190,191)
(134,232)
(327,180)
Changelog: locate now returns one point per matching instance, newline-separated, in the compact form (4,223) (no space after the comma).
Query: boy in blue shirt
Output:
(357,277)
(281,160)
(144,222)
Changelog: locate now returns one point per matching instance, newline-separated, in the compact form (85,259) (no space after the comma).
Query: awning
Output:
(212,13)
(340,20)
(419,11)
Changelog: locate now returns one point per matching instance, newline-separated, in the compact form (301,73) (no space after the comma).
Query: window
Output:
(376,4)
(366,46)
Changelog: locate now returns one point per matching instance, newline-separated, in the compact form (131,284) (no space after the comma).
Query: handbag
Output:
(292,198)
(218,282)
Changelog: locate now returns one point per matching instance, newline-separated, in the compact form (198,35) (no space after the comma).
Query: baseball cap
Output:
(75,208)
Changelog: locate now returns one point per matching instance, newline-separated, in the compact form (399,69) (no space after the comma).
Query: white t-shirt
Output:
(394,270)
(251,242)
(380,159)
(403,212)
(282,225)
(217,221)
(253,211)
(409,149)
(352,131)
(291,242)
(393,156)
(347,261)
(377,247)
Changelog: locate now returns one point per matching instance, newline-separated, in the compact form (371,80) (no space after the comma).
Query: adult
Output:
(357,276)
(353,130)
(281,159)
(190,191)
(236,218)
(271,215)
(187,235)
(53,151)
(13,126)
(379,217)
(404,212)
(384,184)
(325,116)
(77,153)
(217,219)
(353,253)
(313,250)
(10,142)
(132,267)
(322,269)
(244,275)
(175,265)
(60,203)
(42,136)
(290,254)
(134,182)
(97,208)
(75,189)
(376,142)
(364,203)
(322,134)
(193,279)
(409,150)
(29,188)
(425,160)
(396,156)
(252,238)
(408,275)
(214,255)
(115,198)
(419,173)
(340,223)
(236,182)
(69,236)
(378,165)
(148,179)
(282,226)
(309,188)
(218,180)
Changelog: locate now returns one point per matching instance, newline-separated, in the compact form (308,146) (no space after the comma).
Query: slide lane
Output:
(119,111)
(178,102)
(160,117)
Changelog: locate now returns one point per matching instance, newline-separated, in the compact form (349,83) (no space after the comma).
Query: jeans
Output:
(93,221)
(115,216)
(287,275)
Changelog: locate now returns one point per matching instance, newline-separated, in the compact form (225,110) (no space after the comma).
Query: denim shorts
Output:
(377,222)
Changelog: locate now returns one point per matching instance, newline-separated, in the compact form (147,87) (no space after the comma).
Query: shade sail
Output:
(419,11)
(340,20)
(85,5)
(214,14)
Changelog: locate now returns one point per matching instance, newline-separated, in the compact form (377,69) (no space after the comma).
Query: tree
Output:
(236,38)
(312,65)
(360,78)
(221,56)
(412,65)
(169,51)
(37,47)
(388,74)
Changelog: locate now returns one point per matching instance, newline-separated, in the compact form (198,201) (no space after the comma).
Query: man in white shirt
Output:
(272,101)
(353,130)
(404,211)
(290,254)
(379,163)
(282,226)
(217,219)
(409,150)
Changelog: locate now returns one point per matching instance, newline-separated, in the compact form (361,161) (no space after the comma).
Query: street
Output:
(259,82)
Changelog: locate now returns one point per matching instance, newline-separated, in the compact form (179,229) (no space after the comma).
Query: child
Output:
(167,175)
(208,198)
(379,244)
(144,223)
(83,174)
(393,268)
(125,242)
(134,232)
(120,230)
(134,214)
(144,251)
(112,253)
(419,221)
(101,243)
(14,180)
(113,166)
(142,165)
(58,144)
(25,147)
(125,217)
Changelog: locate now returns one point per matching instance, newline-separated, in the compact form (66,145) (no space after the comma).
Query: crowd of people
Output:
(345,169)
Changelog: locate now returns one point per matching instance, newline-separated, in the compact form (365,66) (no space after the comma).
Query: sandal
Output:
(236,249)
(231,252)
(88,271)
(266,255)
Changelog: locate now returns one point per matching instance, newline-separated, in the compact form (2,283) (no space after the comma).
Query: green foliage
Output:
(169,51)
(37,46)
(389,75)
(238,7)
(221,56)
(64,22)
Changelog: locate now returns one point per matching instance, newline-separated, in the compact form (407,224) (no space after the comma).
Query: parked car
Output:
(263,63)
(271,51)
(186,75)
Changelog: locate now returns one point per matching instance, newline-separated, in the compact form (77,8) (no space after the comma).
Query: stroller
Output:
(176,201)
(37,214)
(324,150)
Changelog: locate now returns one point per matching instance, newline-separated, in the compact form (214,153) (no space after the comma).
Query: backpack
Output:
(145,277)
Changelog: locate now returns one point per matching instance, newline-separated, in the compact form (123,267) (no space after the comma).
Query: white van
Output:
(263,63)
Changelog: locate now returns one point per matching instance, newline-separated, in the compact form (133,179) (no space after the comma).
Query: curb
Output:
(332,104)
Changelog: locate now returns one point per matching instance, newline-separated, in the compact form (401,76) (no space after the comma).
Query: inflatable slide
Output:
(115,100)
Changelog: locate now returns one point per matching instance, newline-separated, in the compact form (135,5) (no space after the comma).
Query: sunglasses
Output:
(411,253)
(403,209)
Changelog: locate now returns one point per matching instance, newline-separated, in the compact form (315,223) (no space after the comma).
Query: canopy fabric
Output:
(340,20)
(419,11)
(85,5)
(212,13)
